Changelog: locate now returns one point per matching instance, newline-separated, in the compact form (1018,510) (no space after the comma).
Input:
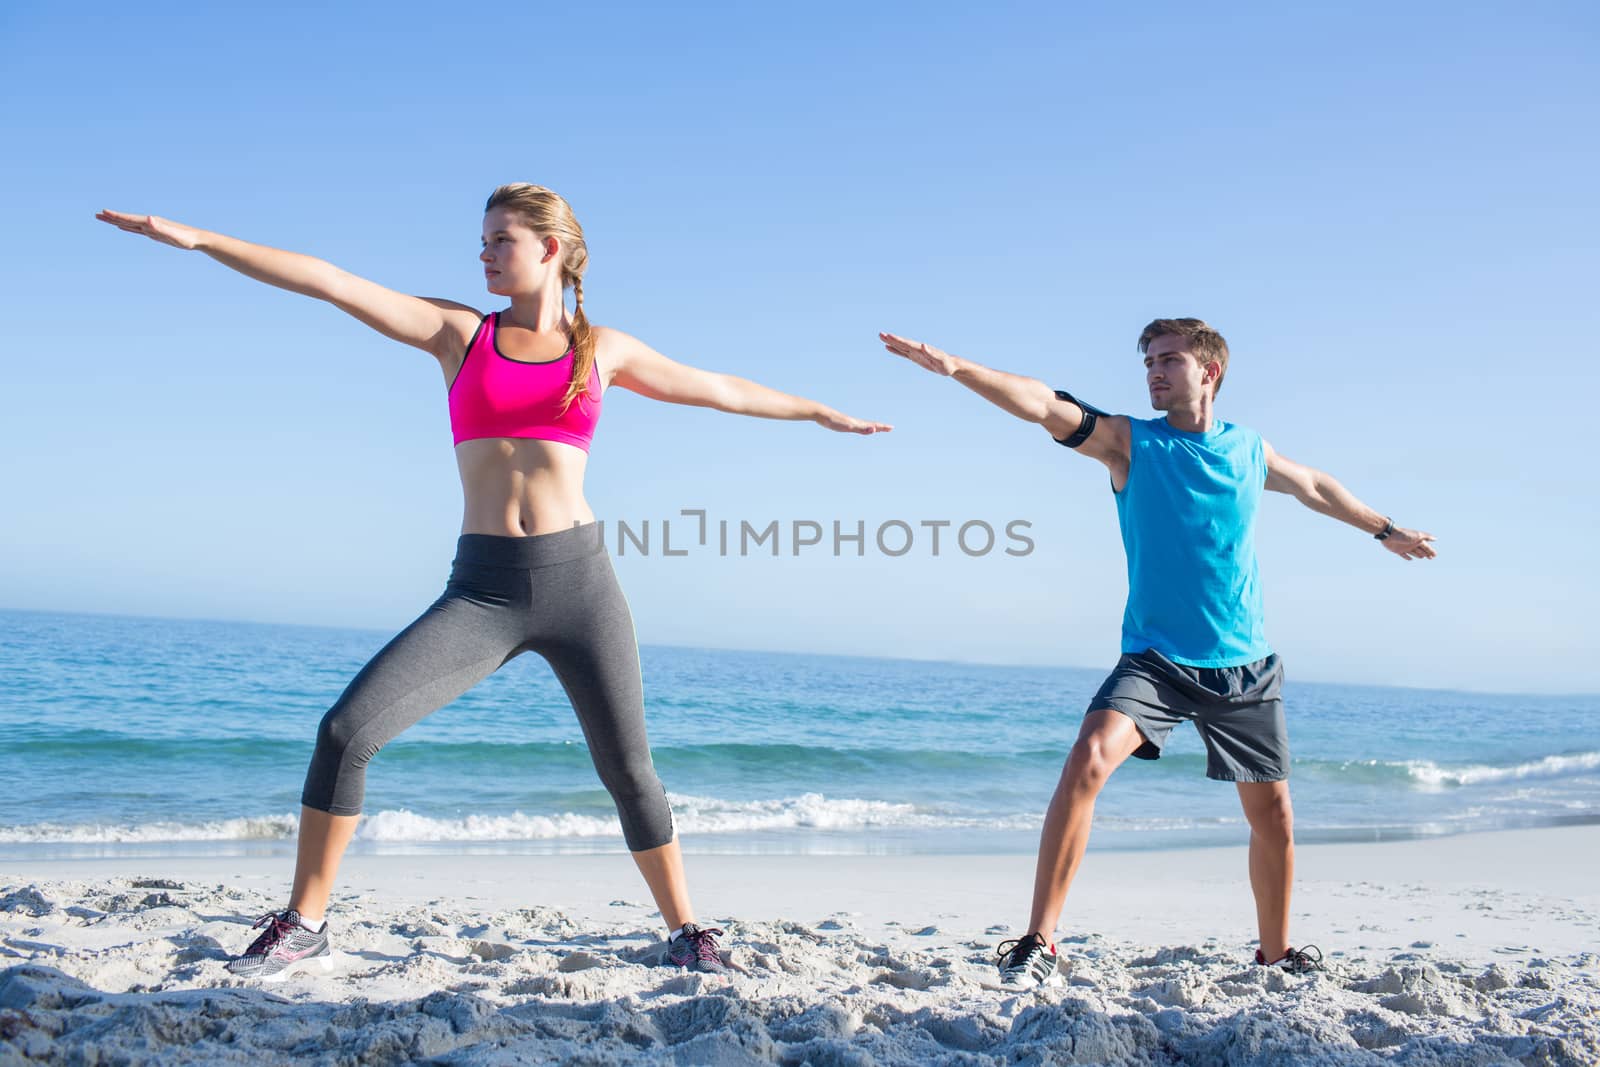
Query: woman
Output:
(525,388)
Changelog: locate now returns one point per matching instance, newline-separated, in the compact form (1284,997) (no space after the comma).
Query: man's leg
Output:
(1106,739)
(1267,809)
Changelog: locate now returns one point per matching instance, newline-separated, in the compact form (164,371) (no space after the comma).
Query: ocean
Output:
(127,735)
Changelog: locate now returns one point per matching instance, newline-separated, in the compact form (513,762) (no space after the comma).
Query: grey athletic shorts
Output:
(1238,711)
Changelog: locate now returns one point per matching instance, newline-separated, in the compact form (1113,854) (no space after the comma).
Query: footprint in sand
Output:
(578,961)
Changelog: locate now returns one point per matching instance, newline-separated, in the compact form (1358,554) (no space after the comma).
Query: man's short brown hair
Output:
(1205,343)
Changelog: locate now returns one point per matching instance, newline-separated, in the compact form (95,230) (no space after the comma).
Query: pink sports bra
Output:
(494,395)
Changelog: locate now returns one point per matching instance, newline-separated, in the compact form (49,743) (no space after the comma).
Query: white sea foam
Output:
(1430,775)
(694,815)
(260,828)
(406,825)
(700,815)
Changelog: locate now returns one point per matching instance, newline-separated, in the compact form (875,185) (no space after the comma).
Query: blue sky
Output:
(1387,209)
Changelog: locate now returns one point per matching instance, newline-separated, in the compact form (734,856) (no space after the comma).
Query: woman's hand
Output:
(154,227)
(834,420)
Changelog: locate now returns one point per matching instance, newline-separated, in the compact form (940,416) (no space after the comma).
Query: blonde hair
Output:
(548,214)
(1204,342)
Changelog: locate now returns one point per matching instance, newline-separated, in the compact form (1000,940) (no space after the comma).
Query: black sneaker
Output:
(696,950)
(1027,962)
(1295,961)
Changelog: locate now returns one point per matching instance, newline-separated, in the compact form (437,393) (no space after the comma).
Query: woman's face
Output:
(515,259)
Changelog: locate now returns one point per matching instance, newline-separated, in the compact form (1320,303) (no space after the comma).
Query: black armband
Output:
(1091,416)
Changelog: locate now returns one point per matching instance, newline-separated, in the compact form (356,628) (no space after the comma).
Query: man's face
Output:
(1172,373)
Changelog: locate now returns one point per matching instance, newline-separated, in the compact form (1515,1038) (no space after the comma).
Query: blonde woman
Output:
(525,389)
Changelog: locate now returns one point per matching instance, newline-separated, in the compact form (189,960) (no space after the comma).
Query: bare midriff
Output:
(517,487)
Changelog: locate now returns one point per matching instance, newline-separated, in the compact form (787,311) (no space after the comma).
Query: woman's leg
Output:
(662,868)
(323,839)
(456,643)
(588,639)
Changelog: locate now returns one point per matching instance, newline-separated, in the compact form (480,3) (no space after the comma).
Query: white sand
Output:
(1478,950)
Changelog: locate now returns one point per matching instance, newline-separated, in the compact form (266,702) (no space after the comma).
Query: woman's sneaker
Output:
(696,950)
(1028,962)
(1295,961)
(287,944)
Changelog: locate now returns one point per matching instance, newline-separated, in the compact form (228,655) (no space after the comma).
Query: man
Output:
(1187,488)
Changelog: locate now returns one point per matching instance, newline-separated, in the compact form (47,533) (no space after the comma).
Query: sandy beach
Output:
(1475,949)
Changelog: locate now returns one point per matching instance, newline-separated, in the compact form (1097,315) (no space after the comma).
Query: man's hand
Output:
(1410,544)
(934,359)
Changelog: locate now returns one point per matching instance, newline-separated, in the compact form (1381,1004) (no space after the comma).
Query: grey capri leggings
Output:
(554,594)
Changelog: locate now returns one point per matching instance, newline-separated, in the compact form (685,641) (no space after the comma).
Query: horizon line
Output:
(794,652)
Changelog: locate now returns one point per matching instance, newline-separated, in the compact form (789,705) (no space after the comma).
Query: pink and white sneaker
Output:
(287,944)
(696,950)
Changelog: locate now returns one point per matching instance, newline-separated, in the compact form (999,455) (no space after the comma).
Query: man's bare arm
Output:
(1028,399)
(1323,493)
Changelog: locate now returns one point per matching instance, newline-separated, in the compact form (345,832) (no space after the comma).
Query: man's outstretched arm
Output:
(1322,492)
(1028,399)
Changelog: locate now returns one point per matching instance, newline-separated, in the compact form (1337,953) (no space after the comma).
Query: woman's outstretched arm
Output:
(436,326)
(641,369)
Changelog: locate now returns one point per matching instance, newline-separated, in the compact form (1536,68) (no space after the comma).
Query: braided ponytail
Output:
(582,347)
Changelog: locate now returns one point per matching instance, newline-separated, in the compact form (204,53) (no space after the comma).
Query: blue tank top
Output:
(1188,516)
